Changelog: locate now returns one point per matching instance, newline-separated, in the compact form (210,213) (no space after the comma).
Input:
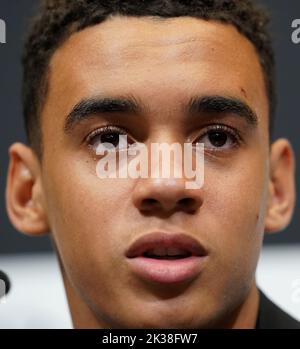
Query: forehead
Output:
(141,56)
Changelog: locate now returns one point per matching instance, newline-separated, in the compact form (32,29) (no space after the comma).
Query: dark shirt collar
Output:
(270,316)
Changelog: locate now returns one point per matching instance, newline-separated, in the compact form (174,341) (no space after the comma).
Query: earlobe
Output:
(24,192)
(281,187)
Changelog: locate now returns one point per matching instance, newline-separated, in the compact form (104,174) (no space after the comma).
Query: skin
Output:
(248,190)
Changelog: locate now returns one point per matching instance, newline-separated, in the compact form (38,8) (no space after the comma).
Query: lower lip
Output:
(167,271)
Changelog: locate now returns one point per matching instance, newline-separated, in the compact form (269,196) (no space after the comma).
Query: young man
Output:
(149,252)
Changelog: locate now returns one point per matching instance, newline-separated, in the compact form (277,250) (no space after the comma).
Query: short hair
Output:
(57,20)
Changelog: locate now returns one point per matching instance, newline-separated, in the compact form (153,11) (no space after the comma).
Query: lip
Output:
(166,271)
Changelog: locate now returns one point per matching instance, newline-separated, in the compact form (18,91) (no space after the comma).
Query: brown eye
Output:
(111,138)
(217,139)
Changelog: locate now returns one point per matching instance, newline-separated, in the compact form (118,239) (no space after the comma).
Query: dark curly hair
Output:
(58,19)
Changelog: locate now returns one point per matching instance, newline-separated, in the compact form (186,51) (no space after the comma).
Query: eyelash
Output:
(230,131)
(104,130)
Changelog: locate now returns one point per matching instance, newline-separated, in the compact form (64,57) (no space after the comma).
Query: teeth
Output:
(159,251)
(171,251)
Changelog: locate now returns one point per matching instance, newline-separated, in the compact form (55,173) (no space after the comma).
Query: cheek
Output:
(235,205)
(86,214)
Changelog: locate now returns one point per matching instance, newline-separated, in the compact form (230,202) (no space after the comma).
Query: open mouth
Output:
(166,253)
(166,258)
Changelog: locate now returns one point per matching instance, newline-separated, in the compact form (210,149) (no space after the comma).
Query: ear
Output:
(24,192)
(282,195)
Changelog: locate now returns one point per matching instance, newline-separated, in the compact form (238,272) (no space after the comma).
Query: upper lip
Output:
(167,240)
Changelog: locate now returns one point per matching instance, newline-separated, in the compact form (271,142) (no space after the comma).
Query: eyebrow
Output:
(221,105)
(89,107)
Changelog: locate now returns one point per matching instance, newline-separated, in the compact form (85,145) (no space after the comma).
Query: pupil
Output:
(217,139)
(112,138)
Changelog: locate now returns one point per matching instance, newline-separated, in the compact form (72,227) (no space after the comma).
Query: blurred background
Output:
(30,262)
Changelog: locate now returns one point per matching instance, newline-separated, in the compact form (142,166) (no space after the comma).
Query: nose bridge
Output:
(166,160)
(165,187)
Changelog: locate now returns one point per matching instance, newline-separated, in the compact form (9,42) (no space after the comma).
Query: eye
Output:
(219,137)
(109,137)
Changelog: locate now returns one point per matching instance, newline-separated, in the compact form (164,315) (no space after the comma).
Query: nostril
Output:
(188,203)
(149,203)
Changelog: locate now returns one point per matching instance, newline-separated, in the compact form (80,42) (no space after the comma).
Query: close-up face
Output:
(161,65)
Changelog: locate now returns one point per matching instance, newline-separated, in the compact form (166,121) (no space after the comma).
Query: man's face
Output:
(162,64)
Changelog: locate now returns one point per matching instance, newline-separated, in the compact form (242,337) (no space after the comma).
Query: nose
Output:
(166,195)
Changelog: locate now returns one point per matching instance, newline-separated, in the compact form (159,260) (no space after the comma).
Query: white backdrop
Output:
(37,298)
